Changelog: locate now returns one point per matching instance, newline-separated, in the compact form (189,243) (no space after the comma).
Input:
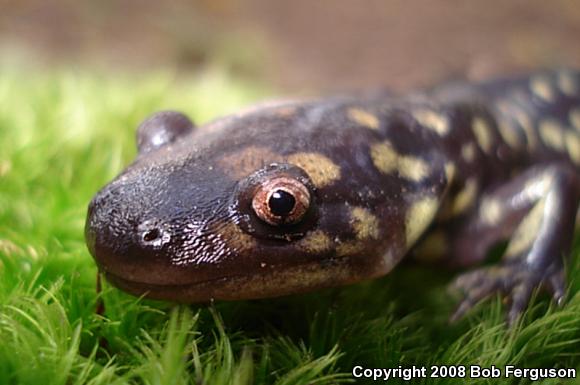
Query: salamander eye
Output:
(281,201)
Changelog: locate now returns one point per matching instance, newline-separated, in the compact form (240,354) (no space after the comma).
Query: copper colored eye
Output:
(281,201)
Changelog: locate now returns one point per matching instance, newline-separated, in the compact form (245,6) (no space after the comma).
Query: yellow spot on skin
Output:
(433,247)
(450,171)
(468,152)
(364,118)
(419,216)
(465,198)
(244,162)
(482,133)
(573,146)
(315,242)
(567,83)
(526,124)
(319,168)
(413,168)
(527,231)
(434,121)
(505,127)
(509,134)
(387,160)
(349,248)
(542,88)
(575,118)
(384,156)
(552,134)
(490,211)
(235,238)
(365,224)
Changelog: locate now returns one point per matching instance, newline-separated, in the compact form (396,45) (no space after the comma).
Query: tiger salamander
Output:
(294,196)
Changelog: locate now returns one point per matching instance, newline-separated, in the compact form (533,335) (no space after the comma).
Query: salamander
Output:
(292,196)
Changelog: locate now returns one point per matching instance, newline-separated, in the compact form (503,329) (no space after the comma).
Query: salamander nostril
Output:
(151,235)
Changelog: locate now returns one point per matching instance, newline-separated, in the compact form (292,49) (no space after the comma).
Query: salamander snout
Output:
(116,232)
(127,235)
(153,229)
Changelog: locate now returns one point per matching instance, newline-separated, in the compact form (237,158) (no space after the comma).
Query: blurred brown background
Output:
(298,45)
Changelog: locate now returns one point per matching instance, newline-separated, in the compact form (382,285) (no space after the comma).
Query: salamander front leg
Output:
(546,199)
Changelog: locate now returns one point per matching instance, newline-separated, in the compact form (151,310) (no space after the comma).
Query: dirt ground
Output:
(300,45)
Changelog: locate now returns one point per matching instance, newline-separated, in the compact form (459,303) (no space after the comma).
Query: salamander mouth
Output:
(201,291)
(262,284)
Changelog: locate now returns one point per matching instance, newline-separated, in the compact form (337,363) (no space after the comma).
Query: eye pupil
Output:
(281,203)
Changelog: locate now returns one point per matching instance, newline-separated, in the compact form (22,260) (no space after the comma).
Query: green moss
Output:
(64,135)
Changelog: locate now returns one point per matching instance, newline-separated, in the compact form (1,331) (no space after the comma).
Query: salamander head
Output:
(240,208)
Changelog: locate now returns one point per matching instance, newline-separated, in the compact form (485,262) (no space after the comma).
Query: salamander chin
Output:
(265,283)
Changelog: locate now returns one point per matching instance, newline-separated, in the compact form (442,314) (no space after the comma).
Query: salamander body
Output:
(293,196)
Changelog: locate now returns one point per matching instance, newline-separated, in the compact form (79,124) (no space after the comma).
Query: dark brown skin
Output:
(296,196)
